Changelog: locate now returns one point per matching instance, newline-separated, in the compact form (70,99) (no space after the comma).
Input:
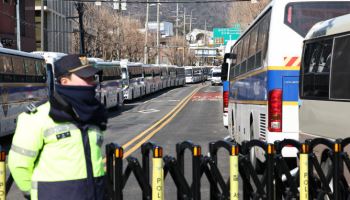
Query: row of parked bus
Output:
(127,80)
(274,89)
(24,80)
(196,74)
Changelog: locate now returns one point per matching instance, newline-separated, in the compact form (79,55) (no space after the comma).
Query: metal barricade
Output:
(277,181)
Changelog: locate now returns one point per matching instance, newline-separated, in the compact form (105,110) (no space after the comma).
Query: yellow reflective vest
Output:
(56,160)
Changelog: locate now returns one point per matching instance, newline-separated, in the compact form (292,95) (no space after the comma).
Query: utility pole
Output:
(184,39)
(177,20)
(145,60)
(205,35)
(80,8)
(18,26)
(158,34)
(42,38)
(191,22)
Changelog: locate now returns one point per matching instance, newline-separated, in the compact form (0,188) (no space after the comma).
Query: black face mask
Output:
(86,107)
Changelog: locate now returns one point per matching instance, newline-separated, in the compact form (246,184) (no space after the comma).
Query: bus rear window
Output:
(302,16)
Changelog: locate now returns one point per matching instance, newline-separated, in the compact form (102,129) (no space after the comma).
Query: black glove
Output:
(26,195)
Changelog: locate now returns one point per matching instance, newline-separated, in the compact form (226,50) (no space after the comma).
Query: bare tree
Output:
(172,51)
(244,12)
(109,35)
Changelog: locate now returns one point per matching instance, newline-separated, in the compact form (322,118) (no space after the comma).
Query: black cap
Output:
(71,64)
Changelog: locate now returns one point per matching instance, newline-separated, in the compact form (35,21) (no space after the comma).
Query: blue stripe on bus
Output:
(288,80)
(225,86)
(256,87)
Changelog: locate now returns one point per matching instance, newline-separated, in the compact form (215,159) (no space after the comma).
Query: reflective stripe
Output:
(59,129)
(23,151)
(34,185)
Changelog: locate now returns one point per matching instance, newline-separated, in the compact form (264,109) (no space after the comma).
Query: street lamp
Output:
(145,60)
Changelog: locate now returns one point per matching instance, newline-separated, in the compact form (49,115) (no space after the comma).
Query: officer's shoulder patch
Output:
(33,107)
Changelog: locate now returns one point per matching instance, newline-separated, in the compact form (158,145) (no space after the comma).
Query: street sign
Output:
(222,35)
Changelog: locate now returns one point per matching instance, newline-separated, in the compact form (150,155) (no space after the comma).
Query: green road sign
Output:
(222,35)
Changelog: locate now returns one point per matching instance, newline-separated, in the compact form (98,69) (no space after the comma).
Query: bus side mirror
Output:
(224,70)
(231,56)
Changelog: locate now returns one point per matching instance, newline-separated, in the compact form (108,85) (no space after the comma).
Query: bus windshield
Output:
(302,16)
(188,72)
(216,74)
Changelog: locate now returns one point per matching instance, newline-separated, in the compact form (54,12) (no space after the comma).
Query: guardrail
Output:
(308,181)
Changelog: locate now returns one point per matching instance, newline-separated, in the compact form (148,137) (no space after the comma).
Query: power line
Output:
(162,2)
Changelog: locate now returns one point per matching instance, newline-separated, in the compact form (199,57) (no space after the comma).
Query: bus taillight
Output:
(225,95)
(275,110)
(225,101)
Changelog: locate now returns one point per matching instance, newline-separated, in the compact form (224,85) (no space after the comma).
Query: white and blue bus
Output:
(193,74)
(111,83)
(22,82)
(264,77)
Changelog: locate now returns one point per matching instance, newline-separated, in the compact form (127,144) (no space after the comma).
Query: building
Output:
(201,43)
(198,37)
(56,32)
(8,28)
(165,28)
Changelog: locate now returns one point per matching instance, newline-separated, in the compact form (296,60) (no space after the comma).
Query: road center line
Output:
(159,121)
(173,112)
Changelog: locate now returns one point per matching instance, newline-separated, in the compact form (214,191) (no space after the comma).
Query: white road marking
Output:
(148,111)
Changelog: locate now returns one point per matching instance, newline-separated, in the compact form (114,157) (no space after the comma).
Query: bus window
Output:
(18,65)
(262,40)
(239,53)
(18,68)
(39,68)
(252,48)
(6,67)
(265,38)
(340,82)
(302,16)
(30,67)
(245,47)
(315,75)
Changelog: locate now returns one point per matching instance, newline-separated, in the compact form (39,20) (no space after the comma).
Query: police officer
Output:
(56,149)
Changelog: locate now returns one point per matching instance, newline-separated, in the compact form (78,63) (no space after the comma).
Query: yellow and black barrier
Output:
(2,175)
(234,173)
(276,181)
(157,174)
(304,172)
